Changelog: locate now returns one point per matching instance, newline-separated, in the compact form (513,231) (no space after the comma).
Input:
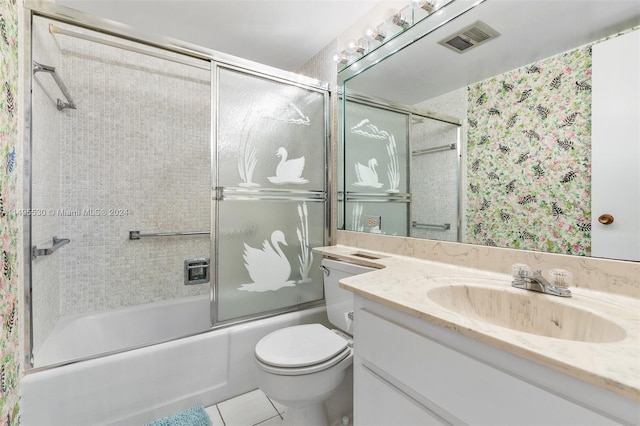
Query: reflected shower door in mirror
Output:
(435,177)
(390,149)
(376,172)
(270,195)
(530,115)
(133,155)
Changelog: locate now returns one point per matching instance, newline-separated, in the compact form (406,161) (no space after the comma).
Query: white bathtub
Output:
(82,336)
(144,384)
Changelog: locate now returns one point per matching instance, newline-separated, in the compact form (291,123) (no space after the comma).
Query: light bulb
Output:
(374,34)
(428,5)
(399,20)
(339,57)
(355,47)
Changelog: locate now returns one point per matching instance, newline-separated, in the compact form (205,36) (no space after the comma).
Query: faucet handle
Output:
(520,270)
(560,278)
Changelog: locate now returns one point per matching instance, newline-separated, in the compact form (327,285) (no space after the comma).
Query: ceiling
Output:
(281,33)
(530,30)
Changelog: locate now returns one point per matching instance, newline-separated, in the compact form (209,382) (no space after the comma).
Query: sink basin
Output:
(527,312)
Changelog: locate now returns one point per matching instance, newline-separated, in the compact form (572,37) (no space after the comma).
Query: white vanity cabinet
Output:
(409,371)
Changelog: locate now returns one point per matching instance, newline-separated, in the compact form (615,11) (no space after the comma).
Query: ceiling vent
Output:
(470,37)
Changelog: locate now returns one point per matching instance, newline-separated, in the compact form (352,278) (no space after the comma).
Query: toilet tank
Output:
(339,301)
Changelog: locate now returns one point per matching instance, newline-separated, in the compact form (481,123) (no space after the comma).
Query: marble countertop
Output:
(610,358)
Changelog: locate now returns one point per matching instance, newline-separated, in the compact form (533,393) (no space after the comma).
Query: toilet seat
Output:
(301,349)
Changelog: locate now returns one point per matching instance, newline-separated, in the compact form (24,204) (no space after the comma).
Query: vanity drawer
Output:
(378,403)
(453,384)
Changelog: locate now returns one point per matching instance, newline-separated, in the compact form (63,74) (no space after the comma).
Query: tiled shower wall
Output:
(134,155)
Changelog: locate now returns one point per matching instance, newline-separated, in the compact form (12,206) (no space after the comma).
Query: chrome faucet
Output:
(533,280)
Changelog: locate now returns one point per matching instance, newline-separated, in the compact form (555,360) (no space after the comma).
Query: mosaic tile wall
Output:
(434,175)
(10,352)
(134,155)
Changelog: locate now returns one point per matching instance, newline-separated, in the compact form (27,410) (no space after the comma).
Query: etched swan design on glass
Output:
(288,171)
(268,267)
(367,175)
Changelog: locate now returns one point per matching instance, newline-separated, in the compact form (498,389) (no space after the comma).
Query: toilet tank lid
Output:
(300,346)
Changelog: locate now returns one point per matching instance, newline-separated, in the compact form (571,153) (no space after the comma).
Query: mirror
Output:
(501,140)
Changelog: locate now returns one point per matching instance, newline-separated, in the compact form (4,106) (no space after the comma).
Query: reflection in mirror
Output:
(537,102)
(435,178)
(376,169)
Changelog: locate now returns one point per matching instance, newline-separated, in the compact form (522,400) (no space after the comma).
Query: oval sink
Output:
(527,312)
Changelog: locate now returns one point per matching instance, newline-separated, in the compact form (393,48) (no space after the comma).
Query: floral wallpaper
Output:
(9,308)
(529,157)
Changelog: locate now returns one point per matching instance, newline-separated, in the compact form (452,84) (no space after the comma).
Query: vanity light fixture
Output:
(429,6)
(340,57)
(400,21)
(395,22)
(374,34)
(358,47)
(353,51)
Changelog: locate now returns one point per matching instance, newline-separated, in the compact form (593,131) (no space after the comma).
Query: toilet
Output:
(301,366)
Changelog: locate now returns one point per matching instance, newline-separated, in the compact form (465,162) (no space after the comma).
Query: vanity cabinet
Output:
(409,371)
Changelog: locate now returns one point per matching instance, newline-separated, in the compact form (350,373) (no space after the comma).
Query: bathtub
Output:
(82,336)
(140,385)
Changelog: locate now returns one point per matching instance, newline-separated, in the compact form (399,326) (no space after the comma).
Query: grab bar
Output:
(136,235)
(444,227)
(376,197)
(448,147)
(60,104)
(57,243)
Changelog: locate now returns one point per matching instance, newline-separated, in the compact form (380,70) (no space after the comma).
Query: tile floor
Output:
(252,408)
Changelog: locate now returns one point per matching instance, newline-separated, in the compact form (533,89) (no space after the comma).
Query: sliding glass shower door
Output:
(167,193)
(270,194)
(133,156)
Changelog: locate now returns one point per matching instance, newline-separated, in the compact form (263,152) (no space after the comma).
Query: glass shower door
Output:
(376,170)
(270,207)
(133,156)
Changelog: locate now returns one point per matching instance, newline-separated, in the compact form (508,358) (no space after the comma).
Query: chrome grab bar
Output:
(376,197)
(268,194)
(57,243)
(444,227)
(440,148)
(136,235)
(37,67)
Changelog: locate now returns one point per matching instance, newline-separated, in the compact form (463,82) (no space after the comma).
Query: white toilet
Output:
(301,366)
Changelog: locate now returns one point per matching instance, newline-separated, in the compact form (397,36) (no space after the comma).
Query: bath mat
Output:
(195,416)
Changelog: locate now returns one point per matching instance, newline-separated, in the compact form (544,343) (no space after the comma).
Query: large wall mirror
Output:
(529,139)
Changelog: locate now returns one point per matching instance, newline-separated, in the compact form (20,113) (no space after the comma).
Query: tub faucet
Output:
(533,280)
